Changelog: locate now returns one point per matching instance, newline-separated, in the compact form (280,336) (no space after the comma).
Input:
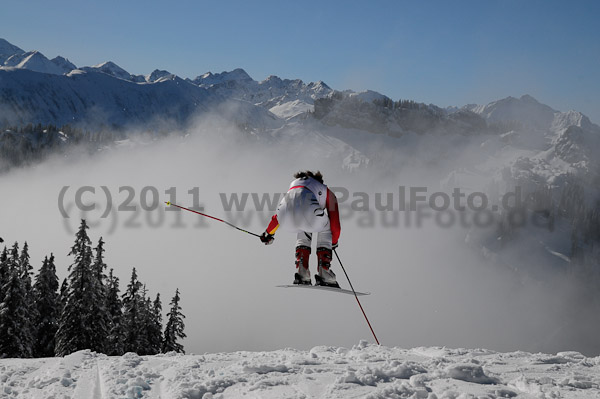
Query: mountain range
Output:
(37,90)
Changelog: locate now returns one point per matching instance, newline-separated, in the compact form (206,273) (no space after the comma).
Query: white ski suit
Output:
(308,207)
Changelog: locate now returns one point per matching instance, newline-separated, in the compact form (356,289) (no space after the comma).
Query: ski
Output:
(323,288)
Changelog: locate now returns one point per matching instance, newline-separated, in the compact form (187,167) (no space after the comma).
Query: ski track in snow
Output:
(365,371)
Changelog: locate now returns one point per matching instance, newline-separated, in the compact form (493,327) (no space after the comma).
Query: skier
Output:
(309,207)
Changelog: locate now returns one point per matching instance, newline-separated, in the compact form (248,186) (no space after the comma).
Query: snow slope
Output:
(364,371)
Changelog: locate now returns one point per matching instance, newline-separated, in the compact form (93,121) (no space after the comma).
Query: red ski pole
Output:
(212,217)
(356,296)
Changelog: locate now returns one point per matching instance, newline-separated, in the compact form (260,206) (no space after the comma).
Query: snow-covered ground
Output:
(364,371)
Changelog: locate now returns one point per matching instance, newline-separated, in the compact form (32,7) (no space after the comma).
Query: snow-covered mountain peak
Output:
(110,68)
(529,99)
(577,147)
(526,111)
(321,88)
(286,98)
(5,45)
(562,120)
(451,109)
(209,78)
(368,96)
(526,100)
(272,79)
(63,63)
(7,49)
(34,61)
(158,75)
(13,56)
(237,74)
(531,115)
(106,64)
(273,82)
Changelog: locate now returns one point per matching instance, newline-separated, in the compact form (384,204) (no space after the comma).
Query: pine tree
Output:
(62,296)
(99,265)
(114,307)
(154,330)
(4,271)
(145,318)
(151,340)
(46,298)
(26,271)
(16,339)
(80,326)
(174,328)
(73,333)
(25,266)
(101,321)
(132,312)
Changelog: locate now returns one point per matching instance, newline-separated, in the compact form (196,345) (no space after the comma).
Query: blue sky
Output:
(441,52)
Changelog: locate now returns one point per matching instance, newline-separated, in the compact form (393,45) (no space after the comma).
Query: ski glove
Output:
(334,246)
(267,238)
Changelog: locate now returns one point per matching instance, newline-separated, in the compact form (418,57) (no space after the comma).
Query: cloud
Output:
(428,287)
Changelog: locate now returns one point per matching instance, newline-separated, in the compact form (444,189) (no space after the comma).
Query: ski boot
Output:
(302,275)
(325,276)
